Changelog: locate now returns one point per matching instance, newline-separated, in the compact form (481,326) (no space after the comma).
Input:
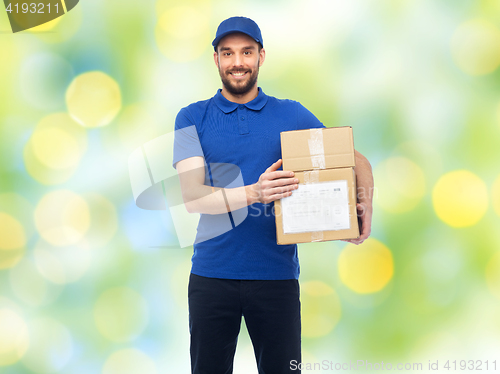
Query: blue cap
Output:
(238,24)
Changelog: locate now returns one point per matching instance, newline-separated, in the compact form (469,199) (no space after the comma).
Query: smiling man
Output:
(242,271)
(238,58)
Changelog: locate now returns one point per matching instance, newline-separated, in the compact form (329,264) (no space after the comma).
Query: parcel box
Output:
(324,206)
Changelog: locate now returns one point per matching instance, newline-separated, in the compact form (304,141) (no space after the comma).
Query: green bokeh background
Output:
(387,68)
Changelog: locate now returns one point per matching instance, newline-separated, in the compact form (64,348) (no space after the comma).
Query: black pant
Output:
(272,314)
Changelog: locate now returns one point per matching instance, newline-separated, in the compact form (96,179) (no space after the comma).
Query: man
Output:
(242,271)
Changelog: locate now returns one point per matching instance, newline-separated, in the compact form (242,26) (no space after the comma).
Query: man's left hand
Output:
(365,213)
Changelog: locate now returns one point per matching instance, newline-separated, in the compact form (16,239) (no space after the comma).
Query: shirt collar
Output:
(228,106)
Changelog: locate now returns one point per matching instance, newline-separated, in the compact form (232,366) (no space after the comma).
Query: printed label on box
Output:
(314,207)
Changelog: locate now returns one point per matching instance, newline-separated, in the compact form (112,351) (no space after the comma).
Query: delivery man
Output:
(243,271)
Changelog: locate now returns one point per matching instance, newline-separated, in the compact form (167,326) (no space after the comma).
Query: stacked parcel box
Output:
(324,206)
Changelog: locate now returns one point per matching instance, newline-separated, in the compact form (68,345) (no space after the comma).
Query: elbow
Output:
(190,204)
(189,208)
(192,208)
(362,160)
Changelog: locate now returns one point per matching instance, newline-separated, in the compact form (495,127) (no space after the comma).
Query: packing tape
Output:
(317,236)
(316,148)
(311,177)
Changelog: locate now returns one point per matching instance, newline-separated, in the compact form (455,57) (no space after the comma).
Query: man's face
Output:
(238,60)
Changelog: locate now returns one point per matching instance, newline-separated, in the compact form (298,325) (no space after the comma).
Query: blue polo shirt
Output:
(239,142)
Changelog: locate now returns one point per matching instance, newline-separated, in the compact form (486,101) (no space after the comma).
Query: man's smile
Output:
(238,74)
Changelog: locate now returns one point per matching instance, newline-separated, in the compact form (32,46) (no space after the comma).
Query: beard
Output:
(239,87)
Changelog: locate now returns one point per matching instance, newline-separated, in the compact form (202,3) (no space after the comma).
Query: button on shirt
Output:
(240,138)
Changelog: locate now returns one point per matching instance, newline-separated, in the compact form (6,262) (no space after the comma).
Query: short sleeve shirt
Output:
(238,143)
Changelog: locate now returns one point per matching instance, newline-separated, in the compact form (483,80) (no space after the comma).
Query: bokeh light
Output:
(93,99)
(435,116)
(14,339)
(62,217)
(180,278)
(51,346)
(41,173)
(14,208)
(29,286)
(129,361)
(183,32)
(498,114)
(321,309)
(400,185)
(367,267)
(62,264)
(50,144)
(43,79)
(12,240)
(103,220)
(429,158)
(433,281)
(12,234)
(476,47)
(443,341)
(131,129)
(460,198)
(495,195)
(493,274)
(55,149)
(121,314)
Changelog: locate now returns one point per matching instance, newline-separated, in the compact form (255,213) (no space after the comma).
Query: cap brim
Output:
(218,39)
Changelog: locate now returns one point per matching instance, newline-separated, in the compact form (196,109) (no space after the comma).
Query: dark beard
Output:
(239,89)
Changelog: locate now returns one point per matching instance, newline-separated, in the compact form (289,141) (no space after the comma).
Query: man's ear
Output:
(262,56)
(216,59)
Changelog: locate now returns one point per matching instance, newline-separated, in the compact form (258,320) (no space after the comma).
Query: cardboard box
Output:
(324,206)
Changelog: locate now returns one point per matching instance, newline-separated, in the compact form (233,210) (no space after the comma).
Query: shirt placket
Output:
(242,120)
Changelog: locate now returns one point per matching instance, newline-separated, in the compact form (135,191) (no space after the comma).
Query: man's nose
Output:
(238,60)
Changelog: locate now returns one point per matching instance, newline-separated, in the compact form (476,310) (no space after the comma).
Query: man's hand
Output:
(365,213)
(364,207)
(273,184)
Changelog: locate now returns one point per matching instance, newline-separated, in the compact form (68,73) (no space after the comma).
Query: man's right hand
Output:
(274,184)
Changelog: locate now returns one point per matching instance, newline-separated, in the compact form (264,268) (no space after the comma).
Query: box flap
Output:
(317,148)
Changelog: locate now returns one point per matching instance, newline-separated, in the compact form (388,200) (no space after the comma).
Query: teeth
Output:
(238,74)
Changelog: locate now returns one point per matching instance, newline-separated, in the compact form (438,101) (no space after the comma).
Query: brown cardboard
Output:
(334,149)
(337,147)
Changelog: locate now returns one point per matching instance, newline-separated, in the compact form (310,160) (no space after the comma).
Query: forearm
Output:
(272,185)
(215,200)
(364,179)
